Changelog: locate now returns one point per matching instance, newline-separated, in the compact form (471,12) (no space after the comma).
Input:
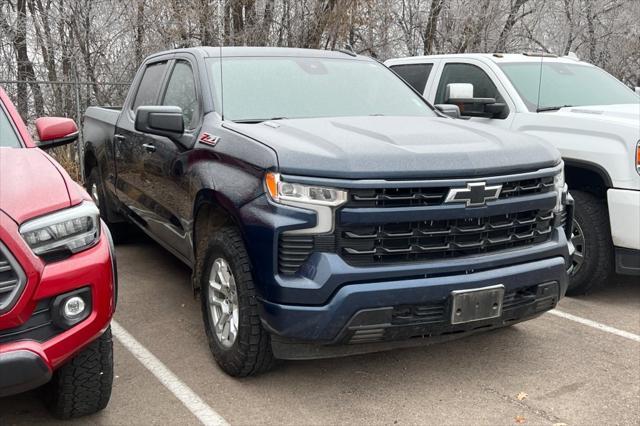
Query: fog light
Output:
(73,308)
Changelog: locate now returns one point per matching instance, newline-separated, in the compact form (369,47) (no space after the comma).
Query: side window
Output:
(181,92)
(414,74)
(483,87)
(150,85)
(8,136)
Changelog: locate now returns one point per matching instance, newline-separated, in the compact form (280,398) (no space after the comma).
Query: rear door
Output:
(419,75)
(131,148)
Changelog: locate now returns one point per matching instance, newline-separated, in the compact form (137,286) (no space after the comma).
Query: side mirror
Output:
(160,120)
(447,109)
(55,131)
(461,94)
(638,90)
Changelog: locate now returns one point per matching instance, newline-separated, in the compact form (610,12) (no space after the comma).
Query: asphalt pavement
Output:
(551,370)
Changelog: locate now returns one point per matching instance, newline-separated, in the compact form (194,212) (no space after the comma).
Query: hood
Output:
(623,114)
(32,184)
(397,147)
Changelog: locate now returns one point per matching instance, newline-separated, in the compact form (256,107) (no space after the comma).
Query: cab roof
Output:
(249,51)
(494,57)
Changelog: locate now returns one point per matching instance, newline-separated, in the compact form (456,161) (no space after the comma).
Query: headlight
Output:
(64,232)
(295,192)
(320,199)
(559,184)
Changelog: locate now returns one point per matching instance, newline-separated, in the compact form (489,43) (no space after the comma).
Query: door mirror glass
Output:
(160,120)
(55,131)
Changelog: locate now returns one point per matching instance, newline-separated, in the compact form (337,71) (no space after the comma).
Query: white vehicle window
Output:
(414,74)
(553,84)
(483,87)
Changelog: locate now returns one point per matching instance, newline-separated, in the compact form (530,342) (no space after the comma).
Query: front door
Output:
(484,86)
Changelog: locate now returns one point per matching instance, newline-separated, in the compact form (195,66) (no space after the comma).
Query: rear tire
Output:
(592,265)
(248,352)
(83,385)
(94,186)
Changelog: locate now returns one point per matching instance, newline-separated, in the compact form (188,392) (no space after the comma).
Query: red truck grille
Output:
(12,279)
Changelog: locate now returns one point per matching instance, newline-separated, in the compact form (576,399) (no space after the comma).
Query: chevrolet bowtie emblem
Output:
(474,195)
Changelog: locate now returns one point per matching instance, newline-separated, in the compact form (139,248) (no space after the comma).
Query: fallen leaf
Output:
(520,420)
(522,395)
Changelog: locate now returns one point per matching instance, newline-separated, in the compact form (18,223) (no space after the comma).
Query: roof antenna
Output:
(220,43)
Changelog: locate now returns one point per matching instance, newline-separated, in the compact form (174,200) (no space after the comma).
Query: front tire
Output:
(237,340)
(83,385)
(592,264)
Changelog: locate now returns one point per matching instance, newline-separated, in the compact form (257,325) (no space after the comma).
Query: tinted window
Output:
(261,88)
(8,136)
(150,85)
(483,87)
(555,84)
(414,74)
(181,92)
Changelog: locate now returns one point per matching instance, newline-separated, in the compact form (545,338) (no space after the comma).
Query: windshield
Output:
(262,88)
(564,84)
(8,137)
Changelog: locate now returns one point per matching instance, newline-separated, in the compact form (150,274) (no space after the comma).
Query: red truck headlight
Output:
(63,233)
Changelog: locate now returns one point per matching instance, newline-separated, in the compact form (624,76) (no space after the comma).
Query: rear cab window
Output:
(414,74)
(8,135)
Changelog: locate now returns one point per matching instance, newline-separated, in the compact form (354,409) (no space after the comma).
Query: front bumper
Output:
(398,310)
(28,337)
(624,217)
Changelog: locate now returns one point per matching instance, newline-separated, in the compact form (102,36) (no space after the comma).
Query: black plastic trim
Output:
(22,370)
(627,261)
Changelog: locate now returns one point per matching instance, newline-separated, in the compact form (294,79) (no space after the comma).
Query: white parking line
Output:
(177,387)
(597,325)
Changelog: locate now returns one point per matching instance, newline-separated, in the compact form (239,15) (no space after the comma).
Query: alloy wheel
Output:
(577,238)
(223,302)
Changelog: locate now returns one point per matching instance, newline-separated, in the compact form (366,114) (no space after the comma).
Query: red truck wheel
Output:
(83,385)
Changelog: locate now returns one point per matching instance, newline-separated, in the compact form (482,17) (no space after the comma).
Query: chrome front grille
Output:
(12,279)
(441,239)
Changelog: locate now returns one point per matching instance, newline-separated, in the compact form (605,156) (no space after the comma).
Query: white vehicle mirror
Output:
(458,91)
(638,90)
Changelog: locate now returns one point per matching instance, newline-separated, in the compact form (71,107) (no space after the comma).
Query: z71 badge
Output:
(208,139)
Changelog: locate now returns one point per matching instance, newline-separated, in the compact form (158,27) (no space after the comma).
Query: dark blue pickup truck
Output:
(325,208)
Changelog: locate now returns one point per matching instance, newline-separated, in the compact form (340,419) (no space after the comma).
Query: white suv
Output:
(592,118)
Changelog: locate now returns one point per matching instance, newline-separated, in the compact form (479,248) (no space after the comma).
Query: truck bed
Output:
(99,124)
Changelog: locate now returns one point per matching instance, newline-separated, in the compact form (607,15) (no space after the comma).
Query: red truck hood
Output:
(33,184)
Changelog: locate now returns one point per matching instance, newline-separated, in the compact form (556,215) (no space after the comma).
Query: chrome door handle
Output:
(149,147)
(119,137)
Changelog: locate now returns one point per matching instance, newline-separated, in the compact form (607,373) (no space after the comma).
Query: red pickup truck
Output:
(58,282)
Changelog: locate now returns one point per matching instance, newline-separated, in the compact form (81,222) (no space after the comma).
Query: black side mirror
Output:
(160,120)
(447,109)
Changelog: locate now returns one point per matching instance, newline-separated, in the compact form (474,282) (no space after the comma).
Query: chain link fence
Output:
(69,99)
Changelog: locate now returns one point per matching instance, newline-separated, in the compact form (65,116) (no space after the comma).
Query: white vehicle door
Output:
(485,85)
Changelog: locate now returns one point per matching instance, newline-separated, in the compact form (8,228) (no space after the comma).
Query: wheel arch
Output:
(211,211)
(587,176)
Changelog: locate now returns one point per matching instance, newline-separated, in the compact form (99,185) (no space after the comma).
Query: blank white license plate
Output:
(476,304)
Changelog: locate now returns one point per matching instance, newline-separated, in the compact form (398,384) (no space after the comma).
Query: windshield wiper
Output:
(257,120)
(553,108)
